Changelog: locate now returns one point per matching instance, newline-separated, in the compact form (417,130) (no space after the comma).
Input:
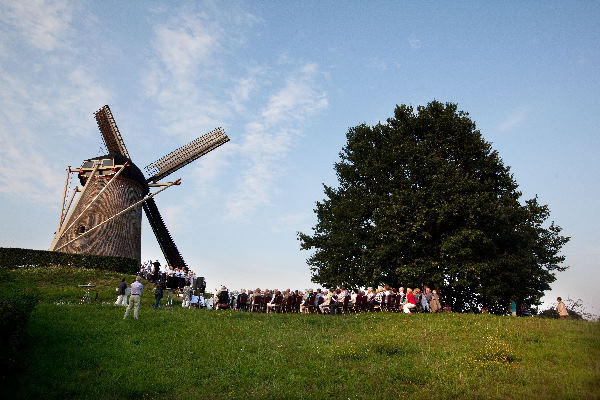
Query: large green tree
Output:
(423,199)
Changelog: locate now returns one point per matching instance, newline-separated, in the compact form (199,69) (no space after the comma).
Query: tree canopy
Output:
(423,199)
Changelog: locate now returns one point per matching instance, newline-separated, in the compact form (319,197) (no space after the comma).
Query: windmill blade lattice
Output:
(185,155)
(110,132)
(165,241)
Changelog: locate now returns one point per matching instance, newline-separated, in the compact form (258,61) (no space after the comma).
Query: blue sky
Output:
(286,80)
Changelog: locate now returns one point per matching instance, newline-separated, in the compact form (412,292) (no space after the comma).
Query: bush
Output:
(16,304)
(14,258)
(575,309)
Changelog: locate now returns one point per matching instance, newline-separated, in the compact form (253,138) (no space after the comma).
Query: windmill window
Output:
(107,163)
(87,164)
(81,229)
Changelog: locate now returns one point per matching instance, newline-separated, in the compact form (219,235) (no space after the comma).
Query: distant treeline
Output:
(11,258)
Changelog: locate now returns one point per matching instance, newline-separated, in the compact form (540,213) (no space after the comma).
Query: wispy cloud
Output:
(513,119)
(377,64)
(268,139)
(297,99)
(189,54)
(194,49)
(44,24)
(414,42)
(242,90)
(41,104)
(21,175)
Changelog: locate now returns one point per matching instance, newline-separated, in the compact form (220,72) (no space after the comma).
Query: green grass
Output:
(88,351)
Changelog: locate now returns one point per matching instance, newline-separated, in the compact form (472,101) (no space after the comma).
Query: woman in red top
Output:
(410,302)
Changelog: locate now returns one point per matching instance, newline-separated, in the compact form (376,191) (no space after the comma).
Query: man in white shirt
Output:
(134,298)
(325,303)
(319,296)
(187,294)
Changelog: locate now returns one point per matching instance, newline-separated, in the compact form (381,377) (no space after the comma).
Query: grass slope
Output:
(88,351)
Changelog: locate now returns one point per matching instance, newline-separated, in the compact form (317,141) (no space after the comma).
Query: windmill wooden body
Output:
(106,217)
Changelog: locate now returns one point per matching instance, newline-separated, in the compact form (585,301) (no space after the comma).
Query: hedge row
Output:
(16,304)
(15,258)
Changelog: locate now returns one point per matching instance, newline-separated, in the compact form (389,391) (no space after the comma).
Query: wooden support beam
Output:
(59,233)
(61,217)
(113,179)
(118,214)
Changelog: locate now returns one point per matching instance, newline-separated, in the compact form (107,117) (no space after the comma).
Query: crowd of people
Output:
(190,288)
(171,278)
(292,301)
(184,284)
(322,301)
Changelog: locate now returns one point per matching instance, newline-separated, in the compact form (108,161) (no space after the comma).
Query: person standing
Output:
(155,272)
(513,307)
(134,298)
(187,295)
(561,309)
(158,293)
(427,296)
(122,299)
(434,304)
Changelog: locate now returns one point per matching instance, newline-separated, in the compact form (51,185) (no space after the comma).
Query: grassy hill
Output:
(79,351)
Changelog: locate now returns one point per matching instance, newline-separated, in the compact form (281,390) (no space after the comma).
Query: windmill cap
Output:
(132,172)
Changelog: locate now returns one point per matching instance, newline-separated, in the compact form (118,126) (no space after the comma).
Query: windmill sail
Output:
(110,132)
(185,155)
(170,251)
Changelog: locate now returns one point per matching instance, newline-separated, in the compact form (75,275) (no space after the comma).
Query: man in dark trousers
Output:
(122,299)
(156,266)
(158,293)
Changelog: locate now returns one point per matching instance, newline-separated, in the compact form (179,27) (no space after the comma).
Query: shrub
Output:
(575,309)
(14,258)
(16,304)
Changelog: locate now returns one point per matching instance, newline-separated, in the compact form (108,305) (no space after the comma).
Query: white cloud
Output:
(414,42)
(297,99)
(186,48)
(44,24)
(192,51)
(513,119)
(240,94)
(186,42)
(24,173)
(268,139)
(48,100)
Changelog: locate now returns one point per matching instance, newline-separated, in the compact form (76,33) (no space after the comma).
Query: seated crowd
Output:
(318,301)
(191,289)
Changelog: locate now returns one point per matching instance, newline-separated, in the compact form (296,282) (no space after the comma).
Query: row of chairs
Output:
(292,304)
(391,302)
(262,303)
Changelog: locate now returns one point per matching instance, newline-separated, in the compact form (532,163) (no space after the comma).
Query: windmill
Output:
(106,217)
